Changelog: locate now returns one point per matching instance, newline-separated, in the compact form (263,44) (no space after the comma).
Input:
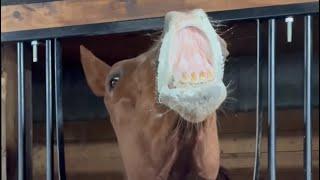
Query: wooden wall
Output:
(92,151)
(78,12)
(9,110)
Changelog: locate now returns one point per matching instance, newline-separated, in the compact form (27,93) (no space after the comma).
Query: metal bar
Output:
(307,97)
(157,23)
(28,113)
(58,109)
(21,113)
(271,100)
(49,135)
(259,105)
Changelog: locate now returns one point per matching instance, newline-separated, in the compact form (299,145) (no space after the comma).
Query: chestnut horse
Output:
(162,104)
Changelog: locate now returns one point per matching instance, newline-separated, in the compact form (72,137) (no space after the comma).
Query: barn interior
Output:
(91,150)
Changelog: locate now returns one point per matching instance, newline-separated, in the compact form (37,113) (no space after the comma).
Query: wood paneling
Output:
(285,160)
(9,68)
(10,117)
(238,123)
(79,12)
(92,150)
(245,143)
(103,160)
(286,174)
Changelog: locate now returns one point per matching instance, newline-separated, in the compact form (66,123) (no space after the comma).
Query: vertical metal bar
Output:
(28,113)
(21,112)
(307,97)
(259,106)
(49,136)
(271,100)
(58,109)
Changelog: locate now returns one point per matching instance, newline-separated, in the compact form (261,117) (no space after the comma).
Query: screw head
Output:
(289,19)
(34,42)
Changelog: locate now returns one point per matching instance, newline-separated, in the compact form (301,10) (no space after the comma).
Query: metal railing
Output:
(53,100)
(308,50)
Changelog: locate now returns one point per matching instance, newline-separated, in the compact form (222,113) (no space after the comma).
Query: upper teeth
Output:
(203,75)
(194,77)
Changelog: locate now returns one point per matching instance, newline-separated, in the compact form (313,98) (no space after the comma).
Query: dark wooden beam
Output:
(69,13)
(132,23)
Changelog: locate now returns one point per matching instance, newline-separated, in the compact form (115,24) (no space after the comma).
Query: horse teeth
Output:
(185,78)
(210,75)
(203,76)
(194,77)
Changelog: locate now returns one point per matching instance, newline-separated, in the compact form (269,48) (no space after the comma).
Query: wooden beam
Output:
(79,12)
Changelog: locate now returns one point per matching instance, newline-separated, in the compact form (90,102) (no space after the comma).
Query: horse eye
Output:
(113,81)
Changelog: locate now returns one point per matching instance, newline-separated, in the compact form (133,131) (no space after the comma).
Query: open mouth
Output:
(190,58)
(190,66)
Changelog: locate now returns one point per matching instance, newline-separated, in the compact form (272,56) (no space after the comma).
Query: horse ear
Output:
(95,71)
(223,44)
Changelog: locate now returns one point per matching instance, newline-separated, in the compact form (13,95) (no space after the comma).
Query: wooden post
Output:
(3,128)
(9,111)
(9,67)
